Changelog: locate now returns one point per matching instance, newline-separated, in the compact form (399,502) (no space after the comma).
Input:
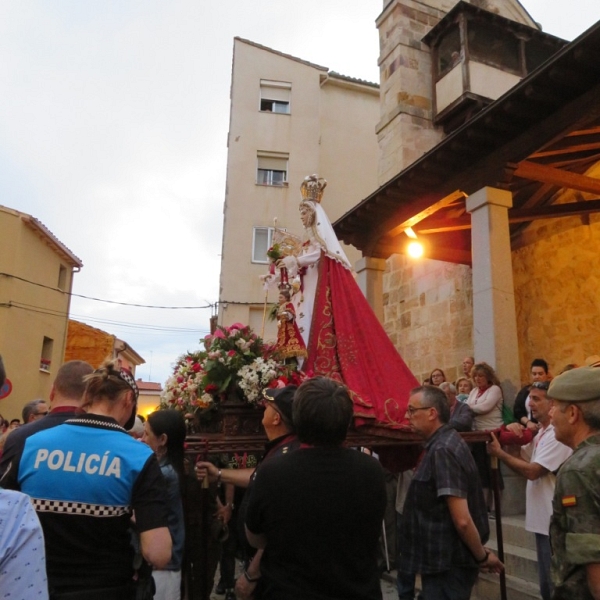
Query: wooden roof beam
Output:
(412,221)
(523,215)
(565,179)
(435,252)
(544,190)
(578,159)
(585,131)
(571,149)
(555,211)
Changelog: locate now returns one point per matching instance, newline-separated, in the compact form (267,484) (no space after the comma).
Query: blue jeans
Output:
(455,584)
(544,553)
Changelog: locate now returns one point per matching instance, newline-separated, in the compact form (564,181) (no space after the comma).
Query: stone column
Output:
(494,318)
(369,276)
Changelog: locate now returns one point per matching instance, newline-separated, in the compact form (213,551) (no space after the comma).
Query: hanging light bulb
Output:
(415,249)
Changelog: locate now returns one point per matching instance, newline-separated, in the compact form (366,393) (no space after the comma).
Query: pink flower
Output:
(180,379)
(219,334)
(236,326)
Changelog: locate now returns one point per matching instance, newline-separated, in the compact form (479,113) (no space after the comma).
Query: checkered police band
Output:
(79,508)
(127,377)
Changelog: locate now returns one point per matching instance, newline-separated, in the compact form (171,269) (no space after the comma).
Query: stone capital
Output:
(489,195)
(369,263)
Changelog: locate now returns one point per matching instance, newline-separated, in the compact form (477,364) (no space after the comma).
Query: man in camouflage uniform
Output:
(575,525)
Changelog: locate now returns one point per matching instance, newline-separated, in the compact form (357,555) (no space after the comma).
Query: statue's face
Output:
(307,215)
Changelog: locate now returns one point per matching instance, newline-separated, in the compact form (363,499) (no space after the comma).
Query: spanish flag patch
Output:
(569,500)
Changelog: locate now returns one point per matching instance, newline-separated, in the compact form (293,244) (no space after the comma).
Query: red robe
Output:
(289,341)
(348,343)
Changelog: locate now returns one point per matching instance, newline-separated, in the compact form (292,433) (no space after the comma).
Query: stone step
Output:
(488,588)
(513,532)
(519,562)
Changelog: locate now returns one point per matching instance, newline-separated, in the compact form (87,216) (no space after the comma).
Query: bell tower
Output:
(406,128)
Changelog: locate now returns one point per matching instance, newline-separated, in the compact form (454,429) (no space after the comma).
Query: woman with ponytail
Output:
(87,478)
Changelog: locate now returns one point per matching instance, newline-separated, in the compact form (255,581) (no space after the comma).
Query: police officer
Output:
(85,478)
(575,525)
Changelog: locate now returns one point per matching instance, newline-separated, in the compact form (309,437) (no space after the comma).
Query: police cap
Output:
(283,399)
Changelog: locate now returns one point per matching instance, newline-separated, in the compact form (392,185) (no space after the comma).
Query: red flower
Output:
(211,388)
(180,379)
(231,353)
(196,367)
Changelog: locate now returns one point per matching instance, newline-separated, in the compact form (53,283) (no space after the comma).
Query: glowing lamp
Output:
(415,249)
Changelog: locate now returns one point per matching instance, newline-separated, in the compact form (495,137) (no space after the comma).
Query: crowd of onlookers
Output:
(103,489)
(525,440)
(108,508)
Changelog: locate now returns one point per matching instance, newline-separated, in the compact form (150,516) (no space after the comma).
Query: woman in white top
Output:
(485,400)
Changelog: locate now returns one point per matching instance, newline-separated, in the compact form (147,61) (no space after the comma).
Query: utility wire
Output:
(48,287)
(55,313)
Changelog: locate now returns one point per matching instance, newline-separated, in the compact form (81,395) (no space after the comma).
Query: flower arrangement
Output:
(233,356)
(182,388)
(257,376)
(227,351)
(274,253)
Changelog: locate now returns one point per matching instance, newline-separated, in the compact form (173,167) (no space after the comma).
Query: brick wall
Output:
(88,343)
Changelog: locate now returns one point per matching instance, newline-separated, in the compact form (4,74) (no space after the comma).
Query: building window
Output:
(262,240)
(492,45)
(448,52)
(62,277)
(46,358)
(272,168)
(275,96)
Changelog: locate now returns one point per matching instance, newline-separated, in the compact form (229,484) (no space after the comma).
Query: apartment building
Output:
(289,118)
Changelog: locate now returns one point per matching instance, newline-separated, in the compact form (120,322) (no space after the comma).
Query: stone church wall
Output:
(428,306)
(557,285)
(428,313)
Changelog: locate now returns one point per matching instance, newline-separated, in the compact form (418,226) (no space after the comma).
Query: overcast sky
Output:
(113,130)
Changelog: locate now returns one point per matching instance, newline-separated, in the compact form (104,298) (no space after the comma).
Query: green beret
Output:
(576,385)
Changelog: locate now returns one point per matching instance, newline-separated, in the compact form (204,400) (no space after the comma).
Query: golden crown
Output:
(312,188)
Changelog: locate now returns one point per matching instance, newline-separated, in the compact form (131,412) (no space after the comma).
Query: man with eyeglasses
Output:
(575,524)
(538,462)
(444,525)
(34,410)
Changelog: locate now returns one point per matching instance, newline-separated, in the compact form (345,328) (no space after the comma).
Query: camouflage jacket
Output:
(575,524)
